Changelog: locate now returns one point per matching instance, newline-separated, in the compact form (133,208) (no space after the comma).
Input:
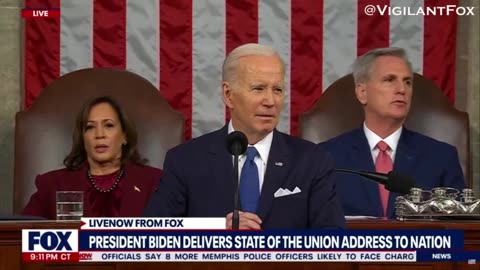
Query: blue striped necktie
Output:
(249,182)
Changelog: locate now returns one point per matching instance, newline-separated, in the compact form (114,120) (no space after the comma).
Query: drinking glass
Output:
(69,205)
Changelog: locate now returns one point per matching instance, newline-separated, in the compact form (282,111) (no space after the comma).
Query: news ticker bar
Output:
(205,239)
(325,240)
(216,240)
(29,13)
(472,257)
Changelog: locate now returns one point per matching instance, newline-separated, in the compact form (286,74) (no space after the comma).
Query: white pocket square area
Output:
(285,192)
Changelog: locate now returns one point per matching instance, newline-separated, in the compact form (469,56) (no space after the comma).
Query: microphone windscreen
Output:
(399,183)
(236,143)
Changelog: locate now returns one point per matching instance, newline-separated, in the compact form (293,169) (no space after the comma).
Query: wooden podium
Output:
(11,257)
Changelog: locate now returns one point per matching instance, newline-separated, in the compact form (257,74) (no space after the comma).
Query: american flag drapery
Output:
(179,45)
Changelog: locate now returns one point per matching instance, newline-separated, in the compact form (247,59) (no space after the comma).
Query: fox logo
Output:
(49,240)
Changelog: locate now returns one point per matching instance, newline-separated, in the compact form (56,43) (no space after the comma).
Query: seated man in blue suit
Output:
(383,85)
(285,182)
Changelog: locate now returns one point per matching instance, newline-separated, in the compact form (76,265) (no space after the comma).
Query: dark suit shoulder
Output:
(55,175)
(200,143)
(422,142)
(295,141)
(144,169)
(297,145)
(301,147)
(342,139)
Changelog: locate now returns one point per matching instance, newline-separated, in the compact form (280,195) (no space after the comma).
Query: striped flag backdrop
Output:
(179,45)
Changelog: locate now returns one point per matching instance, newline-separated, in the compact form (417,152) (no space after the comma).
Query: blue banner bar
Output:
(472,257)
(311,240)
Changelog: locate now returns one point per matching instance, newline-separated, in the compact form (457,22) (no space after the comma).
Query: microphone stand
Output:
(236,217)
(394,182)
(237,144)
(381,178)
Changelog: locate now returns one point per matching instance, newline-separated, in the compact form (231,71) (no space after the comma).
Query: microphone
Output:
(236,145)
(393,181)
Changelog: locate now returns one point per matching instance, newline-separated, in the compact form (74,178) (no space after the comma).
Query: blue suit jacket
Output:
(431,164)
(198,182)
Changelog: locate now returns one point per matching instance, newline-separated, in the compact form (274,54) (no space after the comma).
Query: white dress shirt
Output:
(391,140)
(263,149)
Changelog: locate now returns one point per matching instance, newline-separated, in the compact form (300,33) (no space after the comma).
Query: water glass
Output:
(69,205)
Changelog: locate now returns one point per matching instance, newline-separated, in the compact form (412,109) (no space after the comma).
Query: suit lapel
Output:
(78,181)
(221,164)
(405,160)
(277,168)
(406,156)
(133,191)
(362,153)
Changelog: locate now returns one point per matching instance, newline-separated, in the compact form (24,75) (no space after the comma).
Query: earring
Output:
(124,143)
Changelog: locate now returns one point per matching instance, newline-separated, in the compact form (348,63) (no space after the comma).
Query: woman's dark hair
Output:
(78,155)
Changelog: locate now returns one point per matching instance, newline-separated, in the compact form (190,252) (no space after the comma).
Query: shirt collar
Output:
(263,146)
(373,139)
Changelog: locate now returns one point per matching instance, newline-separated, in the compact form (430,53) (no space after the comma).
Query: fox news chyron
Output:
(206,240)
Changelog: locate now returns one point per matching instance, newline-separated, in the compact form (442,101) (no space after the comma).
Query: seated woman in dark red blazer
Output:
(104,163)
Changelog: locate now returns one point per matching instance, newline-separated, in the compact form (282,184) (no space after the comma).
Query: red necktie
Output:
(383,164)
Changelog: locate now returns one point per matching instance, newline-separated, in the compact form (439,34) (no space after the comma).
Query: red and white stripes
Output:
(179,46)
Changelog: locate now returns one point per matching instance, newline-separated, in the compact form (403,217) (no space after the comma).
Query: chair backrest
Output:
(43,133)
(338,111)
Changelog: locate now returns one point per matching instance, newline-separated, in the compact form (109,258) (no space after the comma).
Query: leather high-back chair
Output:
(43,133)
(338,111)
